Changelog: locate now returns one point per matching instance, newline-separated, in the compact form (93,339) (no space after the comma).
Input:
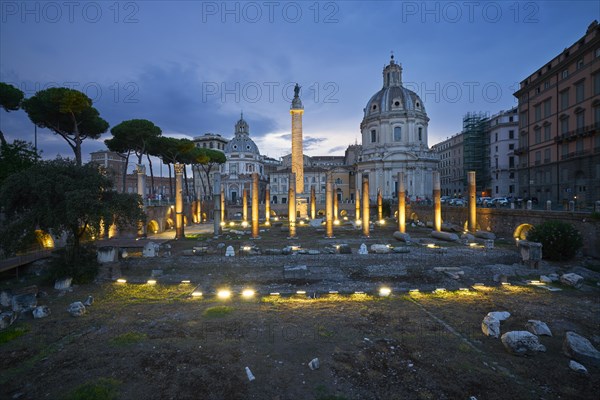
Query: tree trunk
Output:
(152,192)
(125,171)
(77,147)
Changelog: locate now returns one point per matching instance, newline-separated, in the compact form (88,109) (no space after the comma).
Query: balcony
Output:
(521,150)
(577,133)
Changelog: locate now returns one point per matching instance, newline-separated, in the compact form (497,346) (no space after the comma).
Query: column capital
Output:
(140,169)
(179,168)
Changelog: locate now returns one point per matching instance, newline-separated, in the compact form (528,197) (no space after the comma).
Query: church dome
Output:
(393,96)
(242,143)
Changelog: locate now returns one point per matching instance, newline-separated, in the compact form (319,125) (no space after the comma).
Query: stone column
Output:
(548,205)
(219,205)
(379,205)
(365,206)
(255,205)
(313,203)
(179,234)
(198,207)
(140,169)
(437,205)
(357,205)
(292,206)
(472,224)
(401,203)
(329,206)
(245,205)
(222,199)
(336,204)
(268,206)
(296,110)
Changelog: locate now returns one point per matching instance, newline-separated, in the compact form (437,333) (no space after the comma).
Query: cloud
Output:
(336,149)
(310,142)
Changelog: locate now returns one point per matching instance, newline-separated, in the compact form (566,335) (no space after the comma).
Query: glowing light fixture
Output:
(381,222)
(505,283)
(232,223)
(151,282)
(472,244)
(336,222)
(359,292)
(222,223)
(248,293)
(358,222)
(196,293)
(274,294)
(224,294)
(246,248)
(244,224)
(121,280)
(463,289)
(186,281)
(440,290)
(301,292)
(413,291)
(333,292)
(385,291)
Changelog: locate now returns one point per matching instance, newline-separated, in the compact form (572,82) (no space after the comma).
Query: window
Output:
(523,119)
(496,139)
(511,134)
(233,168)
(511,146)
(373,136)
(397,134)
(538,135)
(580,120)
(511,175)
(579,64)
(538,157)
(564,99)
(547,108)
(511,162)
(579,146)
(597,116)
(511,188)
(547,155)
(565,74)
(546,84)
(565,150)
(537,110)
(596,79)
(564,126)
(547,133)
(579,92)
(420,133)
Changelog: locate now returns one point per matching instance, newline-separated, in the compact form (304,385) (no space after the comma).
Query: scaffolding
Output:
(476,145)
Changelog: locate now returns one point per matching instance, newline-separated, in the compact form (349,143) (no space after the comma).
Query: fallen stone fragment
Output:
(575,366)
(89,301)
(538,327)
(41,312)
(380,249)
(490,326)
(7,318)
(249,374)
(572,280)
(581,349)
(522,342)
(363,249)
(314,364)
(25,300)
(76,309)
(499,315)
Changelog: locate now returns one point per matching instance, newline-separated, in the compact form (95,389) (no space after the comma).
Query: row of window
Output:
(397,135)
(211,145)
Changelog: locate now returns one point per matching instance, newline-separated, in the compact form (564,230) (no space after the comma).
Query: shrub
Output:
(99,389)
(217,311)
(560,240)
(81,264)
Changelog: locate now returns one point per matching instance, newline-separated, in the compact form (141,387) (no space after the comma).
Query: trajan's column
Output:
(297,109)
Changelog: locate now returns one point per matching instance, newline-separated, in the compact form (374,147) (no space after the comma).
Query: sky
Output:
(192,67)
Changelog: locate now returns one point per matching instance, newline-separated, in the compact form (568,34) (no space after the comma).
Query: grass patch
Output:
(138,293)
(12,332)
(129,338)
(217,311)
(99,389)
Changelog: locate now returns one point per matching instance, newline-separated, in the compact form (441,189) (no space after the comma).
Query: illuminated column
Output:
(179,201)
(401,203)
(268,206)
(255,205)
(437,204)
(199,210)
(365,206)
(296,110)
(329,206)
(472,224)
(379,205)
(219,205)
(245,205)
(335,204)
(313,203)
(357,205)
(292,206)
(141,188)
(222,199)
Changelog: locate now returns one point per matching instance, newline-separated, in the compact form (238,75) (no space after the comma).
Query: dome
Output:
(242,143)
(393,96)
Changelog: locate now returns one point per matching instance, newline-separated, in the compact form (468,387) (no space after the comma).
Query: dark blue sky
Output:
(192,66)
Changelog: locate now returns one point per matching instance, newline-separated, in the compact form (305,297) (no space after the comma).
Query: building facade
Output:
(205,175)
(394,139)
(503,161)
(450,154)
(559,126)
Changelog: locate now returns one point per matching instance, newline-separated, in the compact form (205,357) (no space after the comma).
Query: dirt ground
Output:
(157,342)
